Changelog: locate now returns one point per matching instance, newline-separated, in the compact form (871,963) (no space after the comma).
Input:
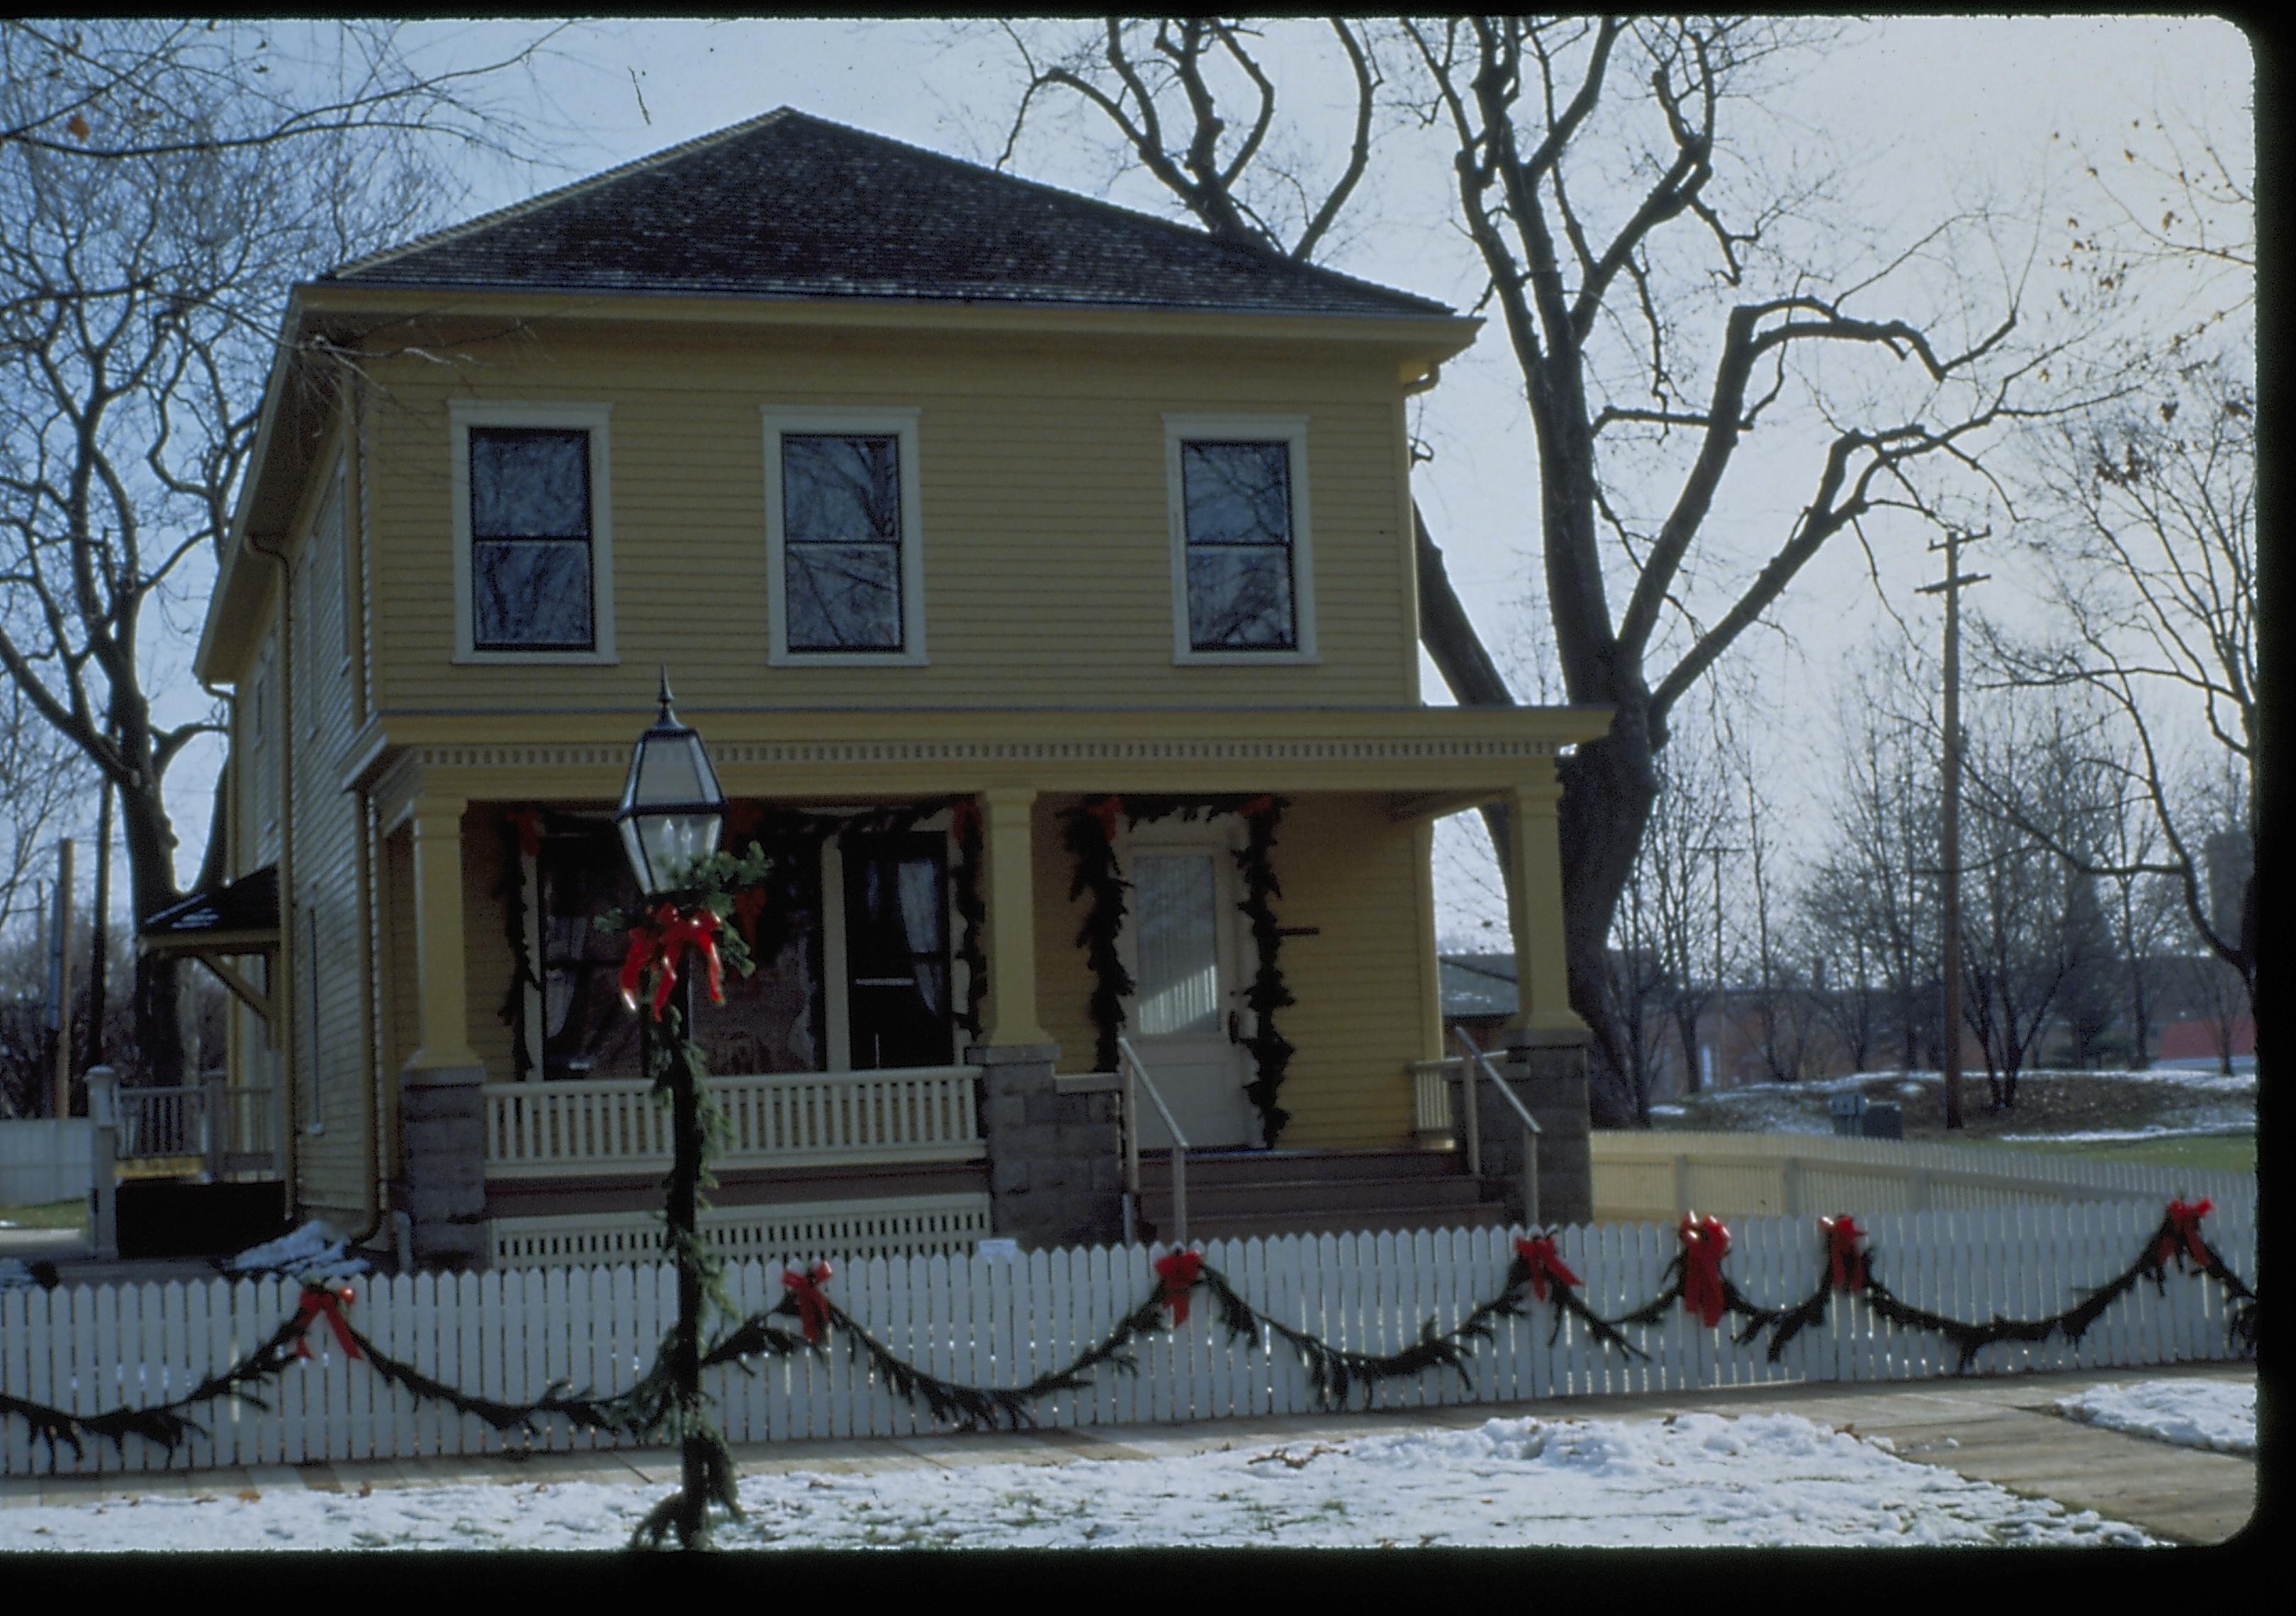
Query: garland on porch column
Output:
(1089,833)
(521,838)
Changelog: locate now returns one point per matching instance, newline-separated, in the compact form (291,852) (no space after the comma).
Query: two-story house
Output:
(1040,578)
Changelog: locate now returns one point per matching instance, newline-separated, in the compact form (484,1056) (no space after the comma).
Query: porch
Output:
(1020,963)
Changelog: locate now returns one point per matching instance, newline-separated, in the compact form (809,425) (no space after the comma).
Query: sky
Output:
(1913,119)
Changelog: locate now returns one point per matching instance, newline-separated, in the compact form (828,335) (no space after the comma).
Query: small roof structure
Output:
(239,917)
(791,205)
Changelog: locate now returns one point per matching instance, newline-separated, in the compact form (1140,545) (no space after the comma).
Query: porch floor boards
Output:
(1238,1195)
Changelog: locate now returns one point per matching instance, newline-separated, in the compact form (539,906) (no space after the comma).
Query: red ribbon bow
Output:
(1541,1263)
(528,823)
(1179,1272)
(964,818)
(320,1302)
(1704,1243)
(2183,1229)
(811,1306)
(1846,1264)
(659,942)
(1105,811)
(1258,807)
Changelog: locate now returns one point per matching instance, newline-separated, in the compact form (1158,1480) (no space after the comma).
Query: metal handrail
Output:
(1530,1129)
(1129,1063)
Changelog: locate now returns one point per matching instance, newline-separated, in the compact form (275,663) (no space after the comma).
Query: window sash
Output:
(548,539)
(1239,538)
(843,572)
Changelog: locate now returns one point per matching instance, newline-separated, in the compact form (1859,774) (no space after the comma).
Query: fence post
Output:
(103,1147)
(215,1122)
(1792,1173)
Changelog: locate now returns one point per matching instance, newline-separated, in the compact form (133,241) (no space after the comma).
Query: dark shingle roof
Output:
(787,205)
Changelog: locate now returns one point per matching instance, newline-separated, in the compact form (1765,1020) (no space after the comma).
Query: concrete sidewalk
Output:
(1998,1430)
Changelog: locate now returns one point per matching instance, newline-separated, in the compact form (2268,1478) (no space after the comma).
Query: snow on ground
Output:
(2108,1136)
(317,1251)
(2191,1414)
(1695,1479)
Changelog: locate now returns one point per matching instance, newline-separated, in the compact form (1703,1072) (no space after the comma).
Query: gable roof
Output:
(788,205)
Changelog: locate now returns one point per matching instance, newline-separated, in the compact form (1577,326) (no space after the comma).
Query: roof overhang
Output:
(239,917)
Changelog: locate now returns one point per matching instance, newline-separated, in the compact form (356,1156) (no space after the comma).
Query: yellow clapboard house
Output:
(1016,556)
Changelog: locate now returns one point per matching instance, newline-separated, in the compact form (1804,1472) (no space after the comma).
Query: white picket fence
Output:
(992,1321)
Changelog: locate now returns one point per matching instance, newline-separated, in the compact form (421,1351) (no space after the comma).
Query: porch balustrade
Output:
(227,1126)
(916,1113)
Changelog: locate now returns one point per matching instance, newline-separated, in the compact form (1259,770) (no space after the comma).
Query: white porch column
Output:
(1009,1013)
(1535,911)
(443,1038)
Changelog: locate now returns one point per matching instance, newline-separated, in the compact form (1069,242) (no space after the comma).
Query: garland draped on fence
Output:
(1536,1277)
(1089,834)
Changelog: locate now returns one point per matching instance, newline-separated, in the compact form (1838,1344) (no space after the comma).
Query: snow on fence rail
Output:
(510,1334)
(1640,1174)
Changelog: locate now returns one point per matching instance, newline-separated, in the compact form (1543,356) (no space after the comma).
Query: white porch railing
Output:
(911,1113)
(227,1126)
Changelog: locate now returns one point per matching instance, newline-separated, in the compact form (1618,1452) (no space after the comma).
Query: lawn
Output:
(52,1215)
(2217,1153)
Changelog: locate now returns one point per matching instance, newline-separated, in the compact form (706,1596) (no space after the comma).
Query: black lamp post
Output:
(669,819)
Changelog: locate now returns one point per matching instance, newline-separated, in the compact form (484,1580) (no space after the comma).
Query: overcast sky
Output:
(1916,117)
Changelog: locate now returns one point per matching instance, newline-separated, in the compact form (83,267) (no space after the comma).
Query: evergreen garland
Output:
(521,838)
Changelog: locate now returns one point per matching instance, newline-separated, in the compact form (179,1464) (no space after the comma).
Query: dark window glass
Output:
(531,529)
(897,951)
(842,542)
(1238,502)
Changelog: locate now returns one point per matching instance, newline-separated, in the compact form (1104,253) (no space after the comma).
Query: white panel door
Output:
(1180,945)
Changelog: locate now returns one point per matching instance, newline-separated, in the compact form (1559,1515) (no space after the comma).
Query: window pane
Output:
(1174,910)
(1237,493)
(1240,598)
(844,597)
(527,484)
(841,488)
(534,593)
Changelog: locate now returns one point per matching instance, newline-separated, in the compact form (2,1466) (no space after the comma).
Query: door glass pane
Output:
(897,951)
(1174,922)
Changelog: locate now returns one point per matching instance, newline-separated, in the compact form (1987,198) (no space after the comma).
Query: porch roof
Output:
(239,917)
(1425,760)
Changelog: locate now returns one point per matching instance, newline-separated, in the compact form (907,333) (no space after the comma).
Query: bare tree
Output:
(44,782)
(1585,154)
(139,299)
(146,89)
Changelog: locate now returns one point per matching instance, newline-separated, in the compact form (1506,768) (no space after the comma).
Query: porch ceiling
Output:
(1425,759)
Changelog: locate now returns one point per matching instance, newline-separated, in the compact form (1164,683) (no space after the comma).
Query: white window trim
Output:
(462,414)
(1291,430)
(898,423)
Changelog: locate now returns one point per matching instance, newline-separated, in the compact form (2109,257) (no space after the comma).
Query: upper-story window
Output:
(533,564)
(1242,588)
(841,525)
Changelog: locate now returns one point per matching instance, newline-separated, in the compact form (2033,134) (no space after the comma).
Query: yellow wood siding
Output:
(401,1027)
(487,959)
(1044,521)
(330,1049)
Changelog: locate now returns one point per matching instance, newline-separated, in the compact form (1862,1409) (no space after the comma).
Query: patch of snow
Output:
(317,1251)
(2215,1414)
(1698,1478)
(1666,1111)
(2108,1136)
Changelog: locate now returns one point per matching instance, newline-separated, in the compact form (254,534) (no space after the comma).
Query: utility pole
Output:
(60,1016)
(1951,587)
(102,939)
(1716,854)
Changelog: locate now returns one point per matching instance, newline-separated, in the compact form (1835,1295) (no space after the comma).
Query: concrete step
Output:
(1247,1167)
(1270,1225)
(1279,1195)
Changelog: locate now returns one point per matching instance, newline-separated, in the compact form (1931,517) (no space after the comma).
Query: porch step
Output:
(1242,1194)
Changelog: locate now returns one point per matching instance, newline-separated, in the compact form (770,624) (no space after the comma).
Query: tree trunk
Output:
(151,843)
(1459,654)
(1607,788)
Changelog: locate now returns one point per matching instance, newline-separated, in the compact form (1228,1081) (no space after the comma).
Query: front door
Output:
(1180,944)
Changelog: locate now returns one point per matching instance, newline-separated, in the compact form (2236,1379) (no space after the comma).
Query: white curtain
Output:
(921,924)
